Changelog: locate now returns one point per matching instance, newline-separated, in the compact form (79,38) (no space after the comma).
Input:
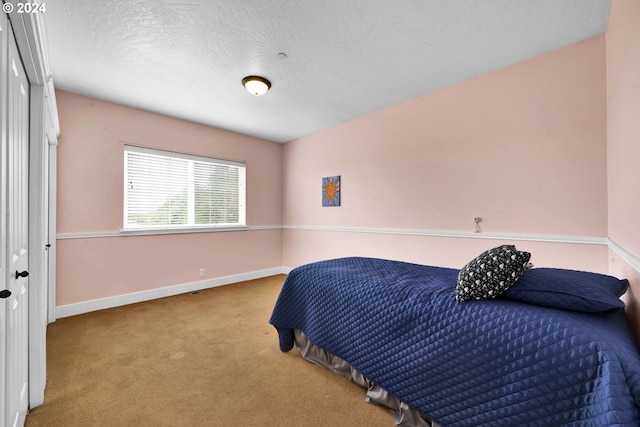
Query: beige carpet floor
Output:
(209,359)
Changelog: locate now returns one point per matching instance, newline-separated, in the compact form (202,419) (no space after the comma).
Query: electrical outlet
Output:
(202,272)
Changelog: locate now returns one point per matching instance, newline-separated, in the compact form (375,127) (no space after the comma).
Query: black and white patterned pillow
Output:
(491,273)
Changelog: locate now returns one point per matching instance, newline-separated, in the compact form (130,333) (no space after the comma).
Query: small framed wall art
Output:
(331,191)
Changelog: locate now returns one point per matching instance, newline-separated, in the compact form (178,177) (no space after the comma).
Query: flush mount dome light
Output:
(256,85)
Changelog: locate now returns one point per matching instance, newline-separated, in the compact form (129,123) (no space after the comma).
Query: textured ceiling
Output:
(344,58)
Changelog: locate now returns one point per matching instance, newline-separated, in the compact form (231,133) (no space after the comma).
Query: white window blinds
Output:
(170,190)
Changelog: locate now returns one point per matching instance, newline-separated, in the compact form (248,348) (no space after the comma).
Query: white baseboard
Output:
(286,270)
(119,300)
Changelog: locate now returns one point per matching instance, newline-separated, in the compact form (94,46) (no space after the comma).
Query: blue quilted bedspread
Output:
(497,362)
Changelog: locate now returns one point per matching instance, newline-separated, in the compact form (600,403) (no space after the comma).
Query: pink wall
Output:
(623,140)
(95,268)
(90,200)
(523,147)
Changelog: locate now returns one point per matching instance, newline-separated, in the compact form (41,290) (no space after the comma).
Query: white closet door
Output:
(4,31)
(17,305)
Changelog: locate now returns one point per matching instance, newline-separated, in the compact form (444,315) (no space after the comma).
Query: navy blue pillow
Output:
(569,290)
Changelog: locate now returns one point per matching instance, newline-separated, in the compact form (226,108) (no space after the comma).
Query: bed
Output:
(406,333)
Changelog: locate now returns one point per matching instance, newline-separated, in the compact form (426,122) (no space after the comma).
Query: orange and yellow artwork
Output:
(331,191)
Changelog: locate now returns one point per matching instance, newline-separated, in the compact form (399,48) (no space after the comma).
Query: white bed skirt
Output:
(403,414)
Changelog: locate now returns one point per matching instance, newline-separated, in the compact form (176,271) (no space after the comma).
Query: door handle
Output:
(5,293)
(20,274)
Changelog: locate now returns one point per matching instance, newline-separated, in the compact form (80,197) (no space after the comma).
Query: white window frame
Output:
(190,226)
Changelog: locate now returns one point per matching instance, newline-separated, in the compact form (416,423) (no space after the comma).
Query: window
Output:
(170,190)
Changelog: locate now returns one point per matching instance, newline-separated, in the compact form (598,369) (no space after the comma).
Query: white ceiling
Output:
(344,58)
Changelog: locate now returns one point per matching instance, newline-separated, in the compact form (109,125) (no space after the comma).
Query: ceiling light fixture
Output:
(256,85)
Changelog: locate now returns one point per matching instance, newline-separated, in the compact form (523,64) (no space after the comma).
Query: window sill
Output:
(181,230)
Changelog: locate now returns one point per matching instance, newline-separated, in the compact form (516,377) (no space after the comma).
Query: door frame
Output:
(29,32)
(52,207)
(38,302)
